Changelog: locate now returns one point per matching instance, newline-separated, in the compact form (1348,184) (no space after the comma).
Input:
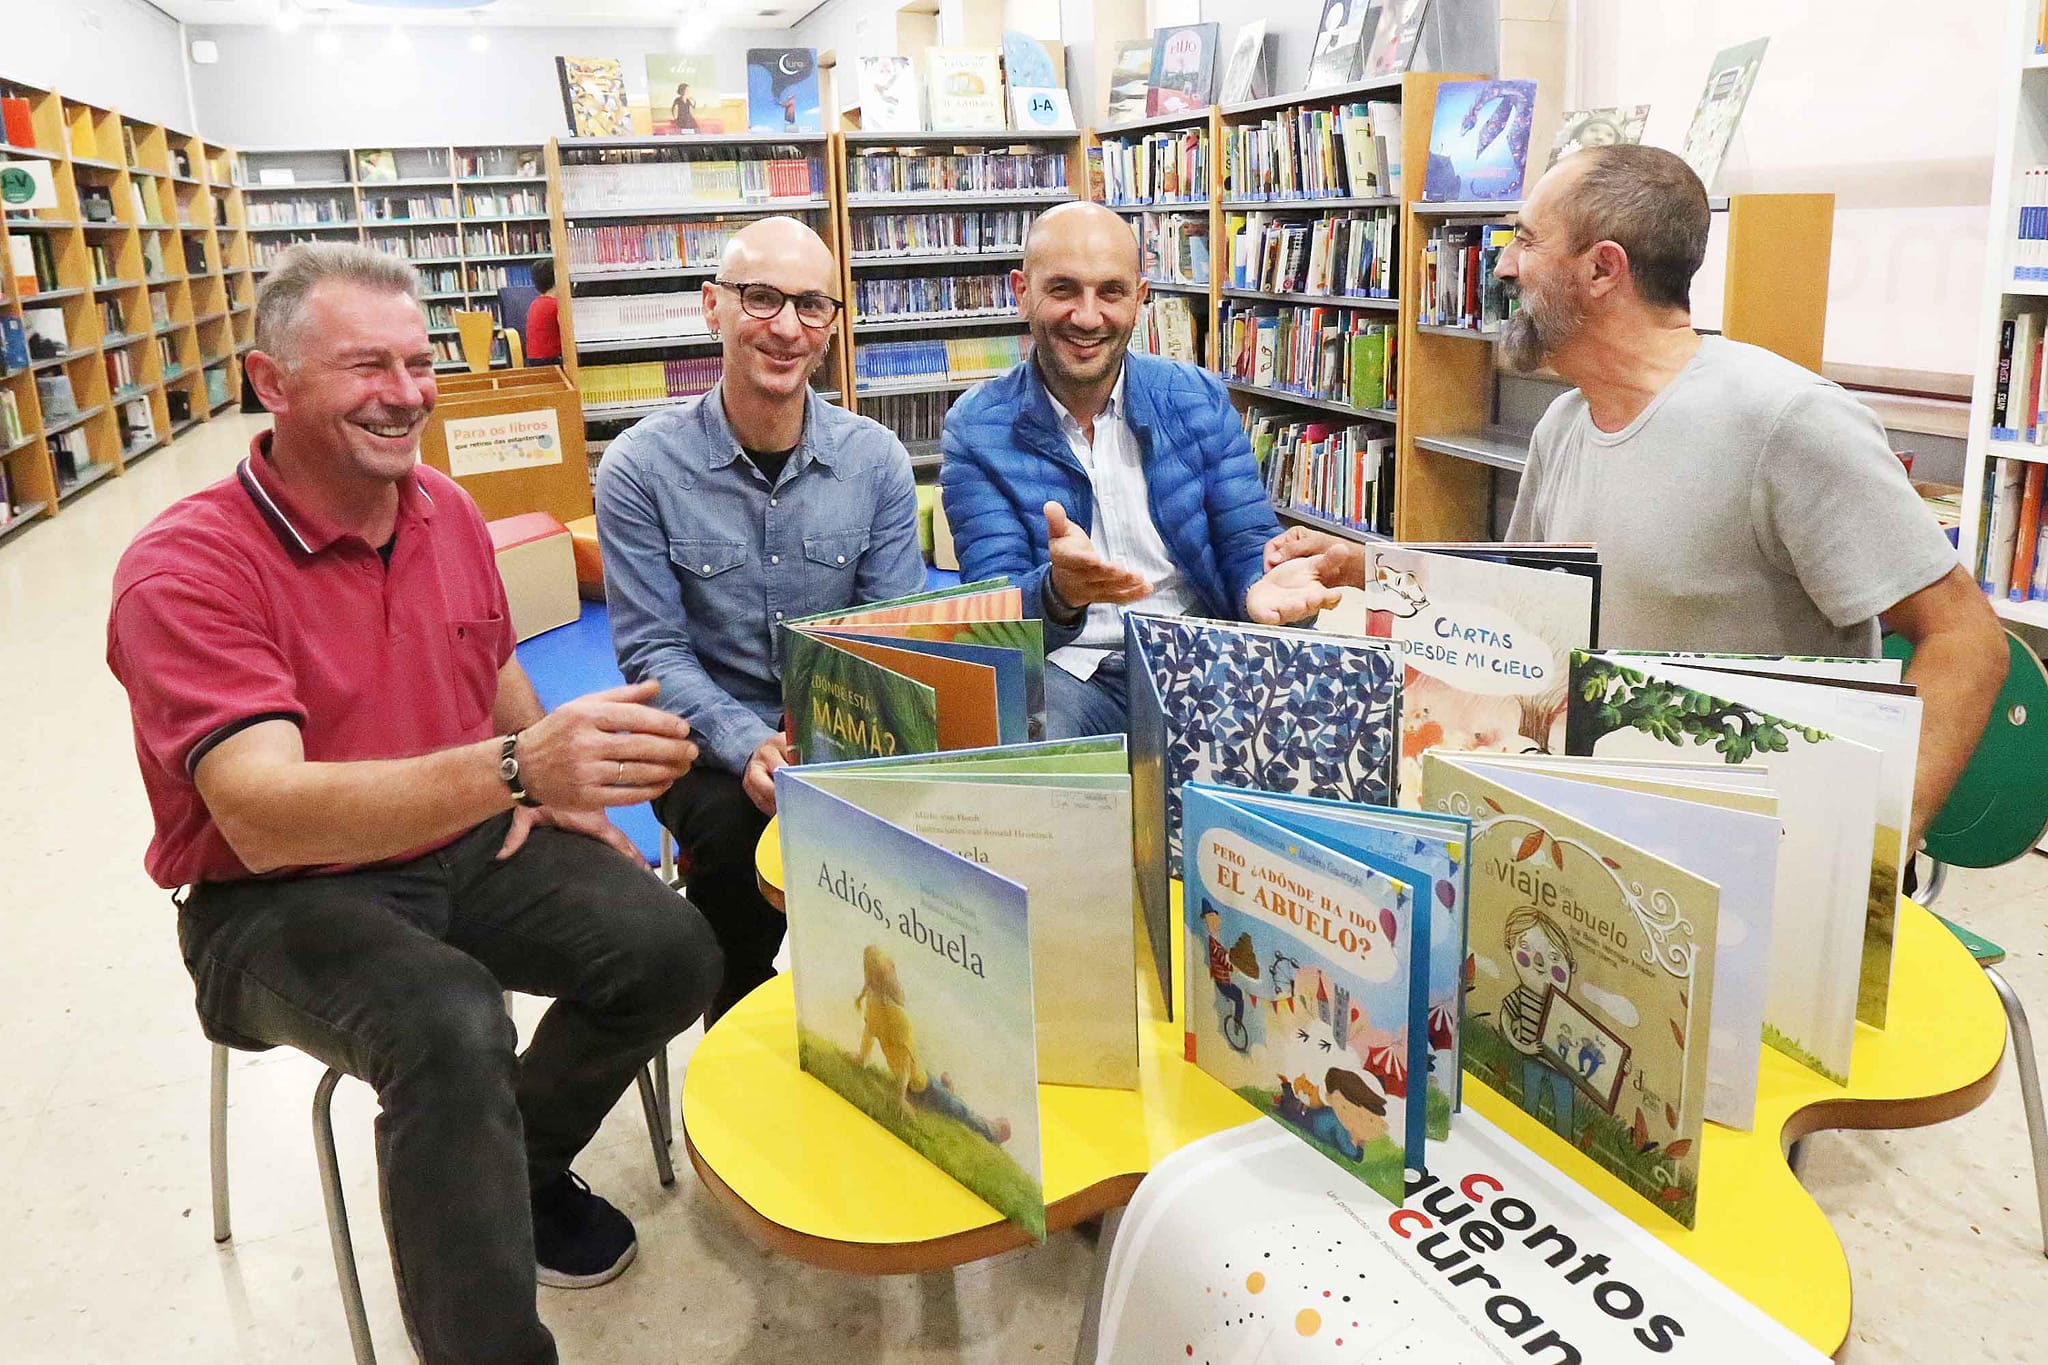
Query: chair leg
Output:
(337,1219)
(663,1100)
(2030,1092)
(1937,878)
(217,1142)
(663,1167)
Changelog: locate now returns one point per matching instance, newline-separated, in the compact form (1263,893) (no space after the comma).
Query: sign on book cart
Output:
(509,440)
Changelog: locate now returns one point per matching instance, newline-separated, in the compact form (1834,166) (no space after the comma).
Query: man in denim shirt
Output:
(725,516)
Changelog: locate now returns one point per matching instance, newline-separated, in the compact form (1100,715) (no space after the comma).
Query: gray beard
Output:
(1521,345)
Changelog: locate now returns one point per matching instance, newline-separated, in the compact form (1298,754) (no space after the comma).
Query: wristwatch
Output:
(508,768)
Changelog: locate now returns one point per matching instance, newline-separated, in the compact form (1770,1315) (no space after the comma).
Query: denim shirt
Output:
(703,558)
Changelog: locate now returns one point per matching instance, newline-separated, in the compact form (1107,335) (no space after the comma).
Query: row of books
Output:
(420,242)
(956,359)
(621,317)
(121,371)
(398,209)
(441,279)
(447,349)
(1160,168)
(1342,472)
(268,212)
(647,381)
(73,458)
(660,182)
(1167,327)
(1350,150)
(914,417)
(12,429)
(1173,247)
(1345,254)
(1335,354)
(496,277)
(137,426)
(885,171)
(497,161)
(636,246)
(2012,561)
(1459,288)
(477,203)
(2030,232)
(34,262)
(522,239)
(887,234)
(932,296)
(2016,385)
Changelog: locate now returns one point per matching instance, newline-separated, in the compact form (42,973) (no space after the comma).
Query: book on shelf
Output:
(937,932)
(917,419)
(486,162)
(14,353)
(1351,253)
(1350,150)
(782,90)
(1731,76)
(956,359)
(17,119)
(1173,248)
(1338,355)
(1158,168)
(1249,73)
(594,96)
(1395,39)
(96,203)
(159,308)
(54,393)
(1479,141)
(933,296)
(650,381)
(137,425)
(1337,472)
(619,317)
(1183,75)
(680,86)
(11,429)
(888,96)
(47,334)
(657,180)
(71,455)
(1458,284)
(965,88)
(502,201)
(21,259)
(120,370)
(634,246)
(1341,39)
(1129,81)
(1167,327)
(883,235)
(2012,553)
(376,165)
(403,207)
(1621,126)
(1026,63)
(883,171)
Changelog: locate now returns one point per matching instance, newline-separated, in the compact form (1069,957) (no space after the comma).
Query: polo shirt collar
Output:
(725,448)
(297,526)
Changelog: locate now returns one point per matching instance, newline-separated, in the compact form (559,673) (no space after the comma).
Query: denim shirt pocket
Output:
(709,573)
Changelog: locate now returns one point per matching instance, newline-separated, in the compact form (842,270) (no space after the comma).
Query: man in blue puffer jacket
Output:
(1144,453)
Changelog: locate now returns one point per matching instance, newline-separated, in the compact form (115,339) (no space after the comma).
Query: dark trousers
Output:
(394,975)
(717,825)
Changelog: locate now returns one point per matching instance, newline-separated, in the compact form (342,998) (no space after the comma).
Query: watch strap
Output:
(508,770)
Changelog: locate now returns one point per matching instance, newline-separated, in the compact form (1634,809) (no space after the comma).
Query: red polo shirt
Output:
(238,605)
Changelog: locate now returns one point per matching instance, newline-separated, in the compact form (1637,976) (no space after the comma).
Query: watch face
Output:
(508,768)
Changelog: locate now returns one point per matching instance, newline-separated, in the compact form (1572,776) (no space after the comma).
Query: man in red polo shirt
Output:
(380,828)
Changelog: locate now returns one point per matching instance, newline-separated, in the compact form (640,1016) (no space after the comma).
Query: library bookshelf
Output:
(471,218)
(128,294)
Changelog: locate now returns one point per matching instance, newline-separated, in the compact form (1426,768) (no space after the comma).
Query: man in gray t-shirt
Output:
(1739,502)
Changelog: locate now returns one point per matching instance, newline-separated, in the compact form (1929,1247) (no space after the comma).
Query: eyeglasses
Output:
(764,301)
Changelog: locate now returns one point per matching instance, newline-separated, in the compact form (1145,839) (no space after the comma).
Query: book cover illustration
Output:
(594,96)
(1479,141)
(1341,37)
(1729,80)
(1307,1001)
(965,86)
(1396,37)
(1183,76)
(1244,77)
(1129,82)
(1487,647)
(911,968)
(1590,975)
(1026,63)
(682,94)
(1616,127)
(888,96)
(374,166)
(782,90)
(1827,787)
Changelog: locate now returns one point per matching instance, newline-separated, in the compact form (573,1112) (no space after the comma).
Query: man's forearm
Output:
(1957,683)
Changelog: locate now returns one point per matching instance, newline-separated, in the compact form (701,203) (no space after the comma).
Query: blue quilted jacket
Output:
(1005,458)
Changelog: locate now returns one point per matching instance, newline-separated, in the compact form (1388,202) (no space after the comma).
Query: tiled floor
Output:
(105,1254)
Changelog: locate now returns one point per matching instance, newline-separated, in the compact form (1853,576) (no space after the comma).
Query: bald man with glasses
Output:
(721,518)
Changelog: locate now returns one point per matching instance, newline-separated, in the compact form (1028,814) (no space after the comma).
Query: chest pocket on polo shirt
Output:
(473,650)
(838,550)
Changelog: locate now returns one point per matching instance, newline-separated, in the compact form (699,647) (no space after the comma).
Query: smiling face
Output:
(355,391)
(1079,292)
(771,357)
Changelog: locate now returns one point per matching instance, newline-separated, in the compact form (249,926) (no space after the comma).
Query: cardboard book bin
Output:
(514,440)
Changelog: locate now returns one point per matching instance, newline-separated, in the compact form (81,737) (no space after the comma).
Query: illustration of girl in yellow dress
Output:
(885,1021)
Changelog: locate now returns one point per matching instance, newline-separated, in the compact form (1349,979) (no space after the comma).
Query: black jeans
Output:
(394,975)
(718,825)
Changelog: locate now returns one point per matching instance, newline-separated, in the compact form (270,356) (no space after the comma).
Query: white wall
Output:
(1889,104)
(117,54)
(272,89)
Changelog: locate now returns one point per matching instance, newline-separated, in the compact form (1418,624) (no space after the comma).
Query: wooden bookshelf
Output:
(134,198)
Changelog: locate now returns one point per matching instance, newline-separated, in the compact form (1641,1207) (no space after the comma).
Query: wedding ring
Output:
(620,781)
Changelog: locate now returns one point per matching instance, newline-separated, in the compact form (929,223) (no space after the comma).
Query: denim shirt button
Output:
(774,559)
(707,568)
(775,502)
(842,559)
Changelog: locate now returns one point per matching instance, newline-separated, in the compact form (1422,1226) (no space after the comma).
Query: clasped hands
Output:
(1079,576)
(607,749)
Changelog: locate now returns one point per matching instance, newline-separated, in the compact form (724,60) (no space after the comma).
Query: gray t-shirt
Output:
(1753,507)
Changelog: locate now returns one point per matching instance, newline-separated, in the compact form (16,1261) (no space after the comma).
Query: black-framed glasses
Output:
(764,301)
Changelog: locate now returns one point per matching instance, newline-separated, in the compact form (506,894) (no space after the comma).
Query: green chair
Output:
(1997,812)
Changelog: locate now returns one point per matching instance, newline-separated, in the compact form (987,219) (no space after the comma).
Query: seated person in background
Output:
(1146,453)
(757,503)
(379,827)
(544,317)
(1741,503)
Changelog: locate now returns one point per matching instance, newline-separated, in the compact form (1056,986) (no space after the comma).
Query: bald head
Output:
(1085,230)
(783,252)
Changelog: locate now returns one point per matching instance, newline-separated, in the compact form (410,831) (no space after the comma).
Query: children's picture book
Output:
(1487,636)
(782,90)
(682,94)
(1129,82)
(965,87)
(1308,979)
(888,96)
(911,967)
(1828,790)
(1479,141)
(1247,76)
(1026,63)
(1056,819)
(1267,708)
(1591,971)
(1729,80)
(594,96)
(373,166)
(1617,127)
(1341,37)
(1395,38)
(958,668)
(1183,76)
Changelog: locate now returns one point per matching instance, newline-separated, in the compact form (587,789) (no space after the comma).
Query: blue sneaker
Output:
(579,1240)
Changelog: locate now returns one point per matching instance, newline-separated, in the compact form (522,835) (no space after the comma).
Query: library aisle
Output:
(103,1109)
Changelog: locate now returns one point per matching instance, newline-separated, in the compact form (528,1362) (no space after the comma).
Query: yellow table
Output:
(808,1175)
